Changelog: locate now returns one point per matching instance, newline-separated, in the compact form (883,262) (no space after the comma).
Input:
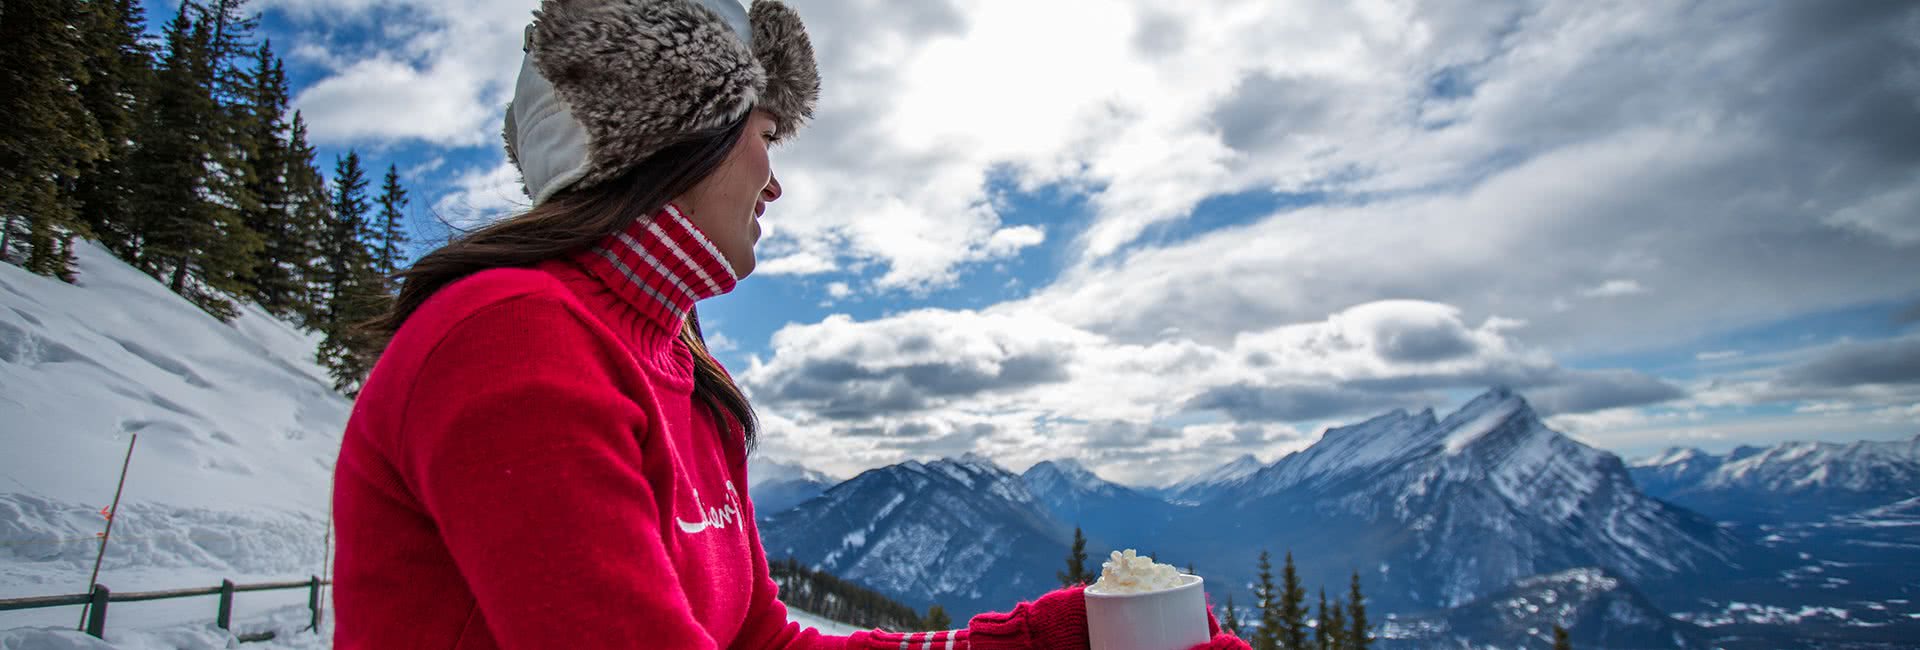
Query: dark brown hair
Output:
(573,220)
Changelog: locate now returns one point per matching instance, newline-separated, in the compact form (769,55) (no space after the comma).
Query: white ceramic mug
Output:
(1170,619)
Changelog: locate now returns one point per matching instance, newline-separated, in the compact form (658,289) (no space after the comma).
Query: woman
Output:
(546,456)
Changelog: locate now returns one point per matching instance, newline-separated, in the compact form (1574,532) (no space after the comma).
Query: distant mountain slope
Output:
(238,433)
(777,487)
(1211,483)
(1111,515)
(1794,481)
(1598,608)
(964,533)
(1439,512)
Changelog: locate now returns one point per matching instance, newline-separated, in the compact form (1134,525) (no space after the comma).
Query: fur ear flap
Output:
(781,45)
(640,74)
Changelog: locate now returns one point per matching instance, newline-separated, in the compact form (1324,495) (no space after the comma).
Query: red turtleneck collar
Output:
(661,265)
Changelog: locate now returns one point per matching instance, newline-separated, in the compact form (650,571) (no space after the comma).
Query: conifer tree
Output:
(1560,638)
(1267,598)
(169,165)
(1293,608)
(233,184)
(274,168)
(309,223)
(230,33)
(119,70)
(1076,573)
(50,134)
(1338,637)
(1229,621)
(353,288)
(389,231)
(1323,632)
(937,618)
(1359,637)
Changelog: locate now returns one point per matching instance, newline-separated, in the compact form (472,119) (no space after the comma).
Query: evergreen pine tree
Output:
(1230,621)
(229,41)
(1267,598)
(1076,573)
(1338,637)
(1323,630)
(391,233)
(233,145)
(1560,639)
(1293,608)
(186,228)
(937,618)
(310,220)
(353,287)
(285,248)
(119,70)
(169,166)
(50,135)
(1359,637)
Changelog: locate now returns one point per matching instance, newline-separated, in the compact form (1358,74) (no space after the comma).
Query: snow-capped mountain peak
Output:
(1669,457)
(1207,484)
(1483,497)
(761,469)
(1067,476)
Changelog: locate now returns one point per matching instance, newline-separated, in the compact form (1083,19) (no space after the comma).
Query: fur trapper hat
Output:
(606,83)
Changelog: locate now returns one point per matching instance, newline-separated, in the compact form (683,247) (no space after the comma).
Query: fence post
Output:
(225,619)
(313,602)
(97,614)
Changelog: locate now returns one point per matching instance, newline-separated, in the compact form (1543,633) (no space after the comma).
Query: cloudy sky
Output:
(1154,239)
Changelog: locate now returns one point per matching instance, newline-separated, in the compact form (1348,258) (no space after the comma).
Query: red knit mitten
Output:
(1057,620)
(1222,640)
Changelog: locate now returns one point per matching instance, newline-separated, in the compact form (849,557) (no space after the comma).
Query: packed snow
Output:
(238,429)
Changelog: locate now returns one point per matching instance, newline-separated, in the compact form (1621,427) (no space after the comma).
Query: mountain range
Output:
(964,533)
(1790,482)
(1441,518)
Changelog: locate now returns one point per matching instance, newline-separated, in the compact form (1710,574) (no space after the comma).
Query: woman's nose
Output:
(771,192)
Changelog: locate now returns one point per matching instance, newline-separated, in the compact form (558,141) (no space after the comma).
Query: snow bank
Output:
(238,429)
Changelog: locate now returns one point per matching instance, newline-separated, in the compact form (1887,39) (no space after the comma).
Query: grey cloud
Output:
(1429,344)
(1895,361)
(842,389)
(1246,402)
(1766,121)
(960,440)
(1908,316)
(1584,391)
(1265,108)
(1159,33)
(1123,435)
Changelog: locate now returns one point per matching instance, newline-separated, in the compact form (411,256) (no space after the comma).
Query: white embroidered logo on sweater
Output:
(720,517)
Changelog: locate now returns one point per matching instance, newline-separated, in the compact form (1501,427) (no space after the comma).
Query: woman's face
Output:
(726,205)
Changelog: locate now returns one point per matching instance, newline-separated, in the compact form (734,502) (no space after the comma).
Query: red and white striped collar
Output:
(661,265)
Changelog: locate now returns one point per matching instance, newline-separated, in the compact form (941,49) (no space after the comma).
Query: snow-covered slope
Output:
(1437,513)
(964,533)
(1111,515)
(777,486)
(761,469)
(1794,481)
(1210,483)
(238,430)
(1598,608)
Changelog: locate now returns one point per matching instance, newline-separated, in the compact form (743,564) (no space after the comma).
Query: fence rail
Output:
(96,623)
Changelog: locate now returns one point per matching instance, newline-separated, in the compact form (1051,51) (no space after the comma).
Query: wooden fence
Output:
(96,602)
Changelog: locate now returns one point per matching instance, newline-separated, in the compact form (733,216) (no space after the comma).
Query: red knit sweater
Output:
(526,467)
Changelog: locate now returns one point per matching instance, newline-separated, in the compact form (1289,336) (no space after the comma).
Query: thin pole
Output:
(326,558)
(112,513)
